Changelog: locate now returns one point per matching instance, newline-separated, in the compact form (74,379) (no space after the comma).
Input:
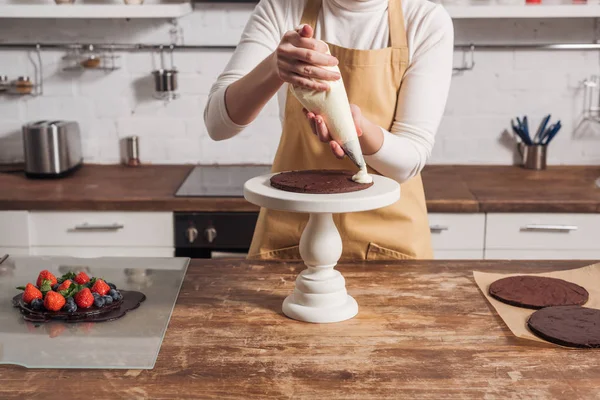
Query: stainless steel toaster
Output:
(52,148)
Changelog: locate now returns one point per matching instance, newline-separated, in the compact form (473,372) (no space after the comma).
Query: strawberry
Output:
(64,286)
(100,287)
(84,298)
(54,301)
(82,278)
(46,275)
(30,293)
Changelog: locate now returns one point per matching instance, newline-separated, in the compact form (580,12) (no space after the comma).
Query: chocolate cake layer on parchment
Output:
(571,326)
(537,292)
(322,181)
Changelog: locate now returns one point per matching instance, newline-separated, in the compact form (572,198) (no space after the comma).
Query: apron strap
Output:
(396,21)
(311,13)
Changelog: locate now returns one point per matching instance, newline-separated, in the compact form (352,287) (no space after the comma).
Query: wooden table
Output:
(423,331)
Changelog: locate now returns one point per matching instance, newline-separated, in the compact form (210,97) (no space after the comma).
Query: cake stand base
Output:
(320,315)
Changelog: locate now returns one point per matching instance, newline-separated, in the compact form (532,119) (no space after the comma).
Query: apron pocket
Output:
(376,252)
(287,253)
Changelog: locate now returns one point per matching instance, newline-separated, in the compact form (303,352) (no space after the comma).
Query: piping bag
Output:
(333,106)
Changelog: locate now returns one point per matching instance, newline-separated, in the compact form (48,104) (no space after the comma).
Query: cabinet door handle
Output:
(438,228)
(549,228)
(88,228)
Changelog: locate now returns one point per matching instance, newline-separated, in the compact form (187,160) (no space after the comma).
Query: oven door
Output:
(214,235)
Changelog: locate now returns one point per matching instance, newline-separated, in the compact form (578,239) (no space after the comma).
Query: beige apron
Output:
(372,79)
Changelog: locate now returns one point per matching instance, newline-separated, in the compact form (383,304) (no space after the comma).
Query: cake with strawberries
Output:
(74,298)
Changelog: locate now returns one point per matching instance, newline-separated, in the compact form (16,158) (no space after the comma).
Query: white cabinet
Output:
(457,236)
(92,229)
(542,236)
(87,234)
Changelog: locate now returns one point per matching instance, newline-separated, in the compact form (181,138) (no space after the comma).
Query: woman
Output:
(395,58)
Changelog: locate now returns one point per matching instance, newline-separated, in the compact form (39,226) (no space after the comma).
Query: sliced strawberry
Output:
(64,286)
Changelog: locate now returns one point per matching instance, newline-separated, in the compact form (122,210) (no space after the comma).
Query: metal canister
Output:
(132,151)
(534,157)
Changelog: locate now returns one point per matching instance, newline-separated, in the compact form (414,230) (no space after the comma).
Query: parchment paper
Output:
(516,317)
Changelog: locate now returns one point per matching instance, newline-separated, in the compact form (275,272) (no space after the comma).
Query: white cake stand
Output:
(320,295)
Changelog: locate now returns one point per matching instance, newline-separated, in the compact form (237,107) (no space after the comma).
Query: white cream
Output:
(362,176)
(334,107)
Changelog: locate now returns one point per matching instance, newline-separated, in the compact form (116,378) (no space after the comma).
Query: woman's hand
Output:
(320,129)
(299,58)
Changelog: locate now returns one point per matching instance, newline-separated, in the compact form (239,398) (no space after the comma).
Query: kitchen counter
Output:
(448,189)
(423,331)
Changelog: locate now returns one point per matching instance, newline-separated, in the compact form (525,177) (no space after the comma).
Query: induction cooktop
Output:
(219,180)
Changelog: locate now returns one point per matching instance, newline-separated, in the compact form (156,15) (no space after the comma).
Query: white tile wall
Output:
(113,105)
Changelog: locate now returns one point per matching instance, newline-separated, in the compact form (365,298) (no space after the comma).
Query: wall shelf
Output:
(524,11)
(167,10)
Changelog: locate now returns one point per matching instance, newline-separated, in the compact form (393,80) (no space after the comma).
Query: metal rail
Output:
(187,47)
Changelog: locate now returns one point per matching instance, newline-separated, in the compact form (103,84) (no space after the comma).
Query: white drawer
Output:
(457,231)
(93,229)
(458,254)
(542,254)
(93,252)
(543,231)
(14,229)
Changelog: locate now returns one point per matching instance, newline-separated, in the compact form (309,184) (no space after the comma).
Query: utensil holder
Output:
(534,156)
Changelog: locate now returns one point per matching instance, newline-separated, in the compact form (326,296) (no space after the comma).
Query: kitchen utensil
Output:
(526,127)
(132,144)
(52,148)
(3,258)
(533,156)
(524,131)
(23,85)
(541,130)
(3,83)
(552,132)
(519,132)
(165,80)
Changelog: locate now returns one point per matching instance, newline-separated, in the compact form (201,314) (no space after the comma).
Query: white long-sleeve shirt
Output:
(358,24)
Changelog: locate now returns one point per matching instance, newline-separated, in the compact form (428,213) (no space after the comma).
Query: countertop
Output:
(423,331)
(447,188)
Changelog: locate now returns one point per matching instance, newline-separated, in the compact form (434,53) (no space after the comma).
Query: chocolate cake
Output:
(317,182)
(537,292)
(571,326)
(130,301)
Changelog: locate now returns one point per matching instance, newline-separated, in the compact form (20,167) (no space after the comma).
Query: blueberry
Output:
(115,294)
(99,302)
(70,307)
(96,295)
(70,300)
(112,285)
(37,304)
(55,287)
(107,299)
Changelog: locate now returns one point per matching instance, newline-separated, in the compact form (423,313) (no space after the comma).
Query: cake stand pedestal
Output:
(320,294)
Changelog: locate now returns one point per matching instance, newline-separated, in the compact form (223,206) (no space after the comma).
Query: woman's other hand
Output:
(319,128)
(299,59)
